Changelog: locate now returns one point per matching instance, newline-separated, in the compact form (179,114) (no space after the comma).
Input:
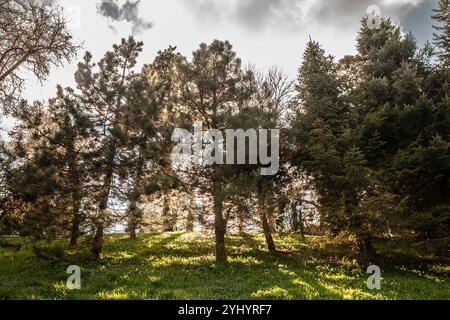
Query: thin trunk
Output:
(271,220)
(132,223)
(219,222)
(301,224)
(132,230)
(295,219)
(265,224)
(300,220)
(241,222)
(366,250)
(76,195)
(97,244)
(76,223)
(134,212)
(168,221)
(218,197)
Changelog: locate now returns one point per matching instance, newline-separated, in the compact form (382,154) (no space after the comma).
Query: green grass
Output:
(181,266)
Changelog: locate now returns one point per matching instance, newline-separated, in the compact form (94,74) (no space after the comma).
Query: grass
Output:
(181,266)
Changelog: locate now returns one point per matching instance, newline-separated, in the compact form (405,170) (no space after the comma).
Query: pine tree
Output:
(52,135)
(71,128)
(108,91)
(214,86)
(442,36)
(149,129)
(36,200)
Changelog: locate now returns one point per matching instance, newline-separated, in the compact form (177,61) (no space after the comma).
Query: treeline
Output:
(364,143)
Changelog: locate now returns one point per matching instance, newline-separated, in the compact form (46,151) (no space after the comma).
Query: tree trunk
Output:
(76,216)
(271,219)
(301,225)
(300,221)
(167,215)
(76,195)
(241,222)
(265,224)
(366,250)
(97,244)
(76,222)
(134,212)
(132,230)
(132,223)
(219,222)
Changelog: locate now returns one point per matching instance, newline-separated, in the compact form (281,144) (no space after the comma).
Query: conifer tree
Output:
(214,85)
(108,91)
(442,35)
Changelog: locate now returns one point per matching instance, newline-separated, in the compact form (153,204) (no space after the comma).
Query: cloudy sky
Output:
(263,32)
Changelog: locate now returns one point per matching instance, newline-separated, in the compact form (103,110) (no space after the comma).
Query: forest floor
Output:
(181,266)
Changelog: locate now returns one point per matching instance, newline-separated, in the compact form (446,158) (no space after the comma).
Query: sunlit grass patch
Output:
(116,294)
(275,293)
(182,266)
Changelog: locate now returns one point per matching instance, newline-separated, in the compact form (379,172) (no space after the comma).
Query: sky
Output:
(264,33)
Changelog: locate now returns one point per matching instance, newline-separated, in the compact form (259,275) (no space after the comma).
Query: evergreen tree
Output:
(35,198)
(442,36)
(326,147)
(70,138)
(399,131)
(213,87)
(149,131)
(108,91)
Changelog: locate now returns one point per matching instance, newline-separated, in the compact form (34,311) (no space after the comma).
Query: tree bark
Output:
(132,230)
(366,250)
(219,222)
(76,223)
(134,218)
(299,223)
(271,219)
(132,223)
(76,195)
(167,218)
(241,222)
(97,243)
(265,224)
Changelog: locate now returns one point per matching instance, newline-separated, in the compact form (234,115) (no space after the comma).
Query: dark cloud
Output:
(346,12)
(290,15)
(127,11)
(253,14)
(259,14)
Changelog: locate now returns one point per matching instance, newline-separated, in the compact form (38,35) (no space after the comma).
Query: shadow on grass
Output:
(182,266)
